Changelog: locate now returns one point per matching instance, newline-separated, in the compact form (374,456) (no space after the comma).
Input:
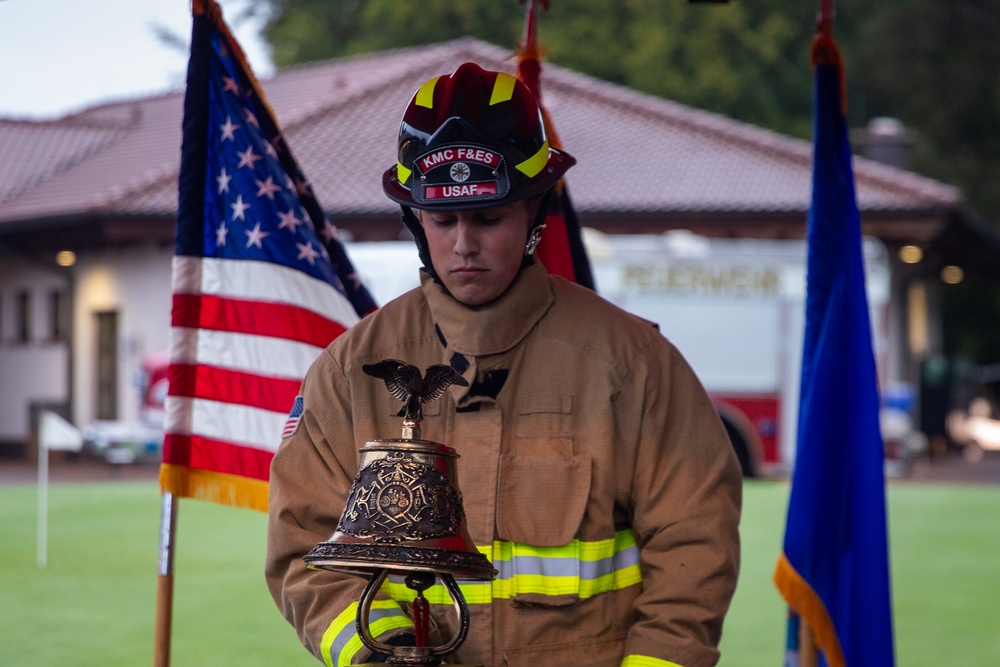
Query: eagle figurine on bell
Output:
(404,515)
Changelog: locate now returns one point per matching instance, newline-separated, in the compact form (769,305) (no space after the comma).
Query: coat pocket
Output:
(603,652)
(542,499)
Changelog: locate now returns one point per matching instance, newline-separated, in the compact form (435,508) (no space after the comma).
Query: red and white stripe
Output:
(244,333)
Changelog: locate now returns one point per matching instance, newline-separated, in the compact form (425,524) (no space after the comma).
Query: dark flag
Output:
(261,283)
(834,569)
(561,251)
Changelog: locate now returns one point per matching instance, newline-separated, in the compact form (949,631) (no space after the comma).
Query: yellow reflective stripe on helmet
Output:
(503,88)
(340,642)
(579,568)
(425,95)
(536,162)
(646,661)
(402,174)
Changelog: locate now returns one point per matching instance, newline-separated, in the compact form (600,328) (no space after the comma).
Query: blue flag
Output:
(834,570)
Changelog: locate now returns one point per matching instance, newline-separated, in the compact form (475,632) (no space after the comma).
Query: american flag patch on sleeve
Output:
(294,417)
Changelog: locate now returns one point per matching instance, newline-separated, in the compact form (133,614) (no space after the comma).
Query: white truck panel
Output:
(734,307)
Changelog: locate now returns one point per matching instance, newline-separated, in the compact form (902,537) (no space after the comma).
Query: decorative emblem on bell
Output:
(404,514)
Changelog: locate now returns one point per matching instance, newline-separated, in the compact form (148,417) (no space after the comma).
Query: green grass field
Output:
(95,603)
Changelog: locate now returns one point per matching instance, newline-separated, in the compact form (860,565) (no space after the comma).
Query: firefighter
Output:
(596,475)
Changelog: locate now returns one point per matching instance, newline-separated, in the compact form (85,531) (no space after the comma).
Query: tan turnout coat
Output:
(595,473)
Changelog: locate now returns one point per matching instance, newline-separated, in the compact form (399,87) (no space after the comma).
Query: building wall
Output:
(34,361)
(135,283)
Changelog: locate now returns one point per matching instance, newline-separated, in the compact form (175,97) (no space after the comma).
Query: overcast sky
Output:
(58,56)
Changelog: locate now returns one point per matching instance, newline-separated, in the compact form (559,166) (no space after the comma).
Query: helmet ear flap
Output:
(412,222)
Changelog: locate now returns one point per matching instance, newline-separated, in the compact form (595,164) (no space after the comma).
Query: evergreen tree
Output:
(933,65)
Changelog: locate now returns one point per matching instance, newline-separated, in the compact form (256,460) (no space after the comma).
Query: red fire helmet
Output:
(472,139)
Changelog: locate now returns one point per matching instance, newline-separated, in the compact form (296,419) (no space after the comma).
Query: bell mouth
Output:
(365,559)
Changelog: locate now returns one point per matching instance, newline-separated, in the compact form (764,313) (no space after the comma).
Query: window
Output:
(58,317)
(107,364)
(23,317)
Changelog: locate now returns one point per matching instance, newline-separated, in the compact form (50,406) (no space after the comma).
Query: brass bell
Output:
(404,514)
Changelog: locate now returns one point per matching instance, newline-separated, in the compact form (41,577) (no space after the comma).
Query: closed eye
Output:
(443,222)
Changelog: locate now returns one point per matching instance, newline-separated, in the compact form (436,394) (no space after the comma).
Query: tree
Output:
(936,67)
(307,30)
(743,60)
(933,65)
(746,61)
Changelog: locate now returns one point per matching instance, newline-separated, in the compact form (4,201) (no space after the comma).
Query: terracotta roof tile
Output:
(636,152)
(34,151)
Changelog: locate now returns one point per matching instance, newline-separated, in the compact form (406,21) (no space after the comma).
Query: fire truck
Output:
(735,308)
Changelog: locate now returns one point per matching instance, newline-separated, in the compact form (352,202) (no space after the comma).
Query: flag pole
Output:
(808,648)
(834,568)
(43,503)
(562,250)
(165,580)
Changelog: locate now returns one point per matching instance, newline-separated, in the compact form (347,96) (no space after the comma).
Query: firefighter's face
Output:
(478,253)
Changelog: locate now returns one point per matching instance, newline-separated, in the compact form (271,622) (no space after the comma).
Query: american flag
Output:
(261,282)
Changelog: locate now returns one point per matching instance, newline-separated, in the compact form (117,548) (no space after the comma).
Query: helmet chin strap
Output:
(412,222)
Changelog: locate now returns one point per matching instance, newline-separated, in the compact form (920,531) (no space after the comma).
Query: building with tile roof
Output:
(102,183)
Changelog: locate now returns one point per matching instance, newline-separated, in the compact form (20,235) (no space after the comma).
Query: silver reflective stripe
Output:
(593,569)
(578,568)
(538,565)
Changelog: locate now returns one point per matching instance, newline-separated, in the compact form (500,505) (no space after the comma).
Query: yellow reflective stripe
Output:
(335,628)
(629,576)
(617,580)
(571,550)
(577,549)
(579,568)
(536,162)
(589,551)
(646,661)
(402,174)
(503,88)
(498,551)
(546,584)
(474,593)
(340,642)
(378,628)
(425,96)
(622,540)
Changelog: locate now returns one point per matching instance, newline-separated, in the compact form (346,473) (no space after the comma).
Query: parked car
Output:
(123,442)
(976,430)
(141,441)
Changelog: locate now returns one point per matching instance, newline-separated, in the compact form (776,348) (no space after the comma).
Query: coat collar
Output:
(496,326)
